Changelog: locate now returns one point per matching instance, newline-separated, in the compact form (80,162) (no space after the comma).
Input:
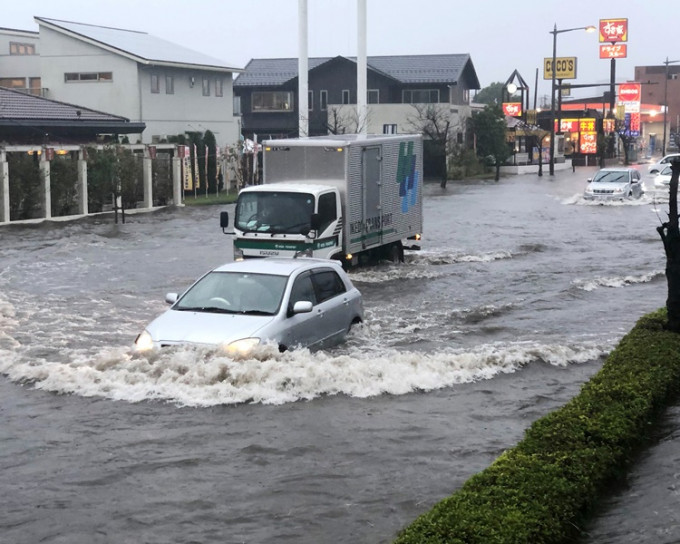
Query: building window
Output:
(272,101)
(21,48)
(13,82)
(206,86)
(237,105)
(219,90)
(310,100)
(323,100)
(169,85)
(72,77)
(390,129)
(345,96)
(373,96)
(155,84)
(466,96)
(421,96)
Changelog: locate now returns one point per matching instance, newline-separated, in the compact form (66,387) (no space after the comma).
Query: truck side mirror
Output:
(224,220)
(315,221)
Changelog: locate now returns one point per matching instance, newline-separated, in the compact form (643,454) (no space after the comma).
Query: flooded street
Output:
(520,290)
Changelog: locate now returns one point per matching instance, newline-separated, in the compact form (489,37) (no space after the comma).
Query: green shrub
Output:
(64,186)
(543,489)
(25,186)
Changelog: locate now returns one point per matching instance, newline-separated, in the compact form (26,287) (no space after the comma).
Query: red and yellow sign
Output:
(588,142)
(587,124)
(613,30)
(566,125)
(614,51)
(512,109)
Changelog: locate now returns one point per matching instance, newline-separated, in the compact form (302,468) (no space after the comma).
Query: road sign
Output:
(565,68)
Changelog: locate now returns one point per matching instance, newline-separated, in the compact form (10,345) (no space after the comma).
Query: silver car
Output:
(614,184)
(656,167)
(300,302)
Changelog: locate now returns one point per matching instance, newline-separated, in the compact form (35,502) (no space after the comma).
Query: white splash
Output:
(196,377)
(623,281)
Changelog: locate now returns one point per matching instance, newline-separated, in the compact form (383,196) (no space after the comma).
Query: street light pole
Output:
(665,103)
(555,32)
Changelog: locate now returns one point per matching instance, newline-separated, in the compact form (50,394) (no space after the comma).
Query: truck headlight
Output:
(238,254)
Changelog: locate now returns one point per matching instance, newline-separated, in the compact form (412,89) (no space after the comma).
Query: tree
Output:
(490,135)
(211,174)
(491,94)
(433,121)
(670,236)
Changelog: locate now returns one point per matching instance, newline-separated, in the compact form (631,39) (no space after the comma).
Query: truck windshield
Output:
(275,212)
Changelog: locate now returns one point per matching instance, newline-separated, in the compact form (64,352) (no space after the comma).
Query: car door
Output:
(332,305)
(303,329)
(636,185)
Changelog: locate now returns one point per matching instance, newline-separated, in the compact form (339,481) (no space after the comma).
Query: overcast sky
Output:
(499,35)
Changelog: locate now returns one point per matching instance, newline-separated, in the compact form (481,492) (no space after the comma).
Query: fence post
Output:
(83,207)
(4,187)
(177,181)
(45,157)
(147,165)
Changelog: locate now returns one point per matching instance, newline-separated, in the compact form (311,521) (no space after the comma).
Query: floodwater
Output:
(518,293)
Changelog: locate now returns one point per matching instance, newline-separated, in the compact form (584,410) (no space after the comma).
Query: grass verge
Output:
(546,487)
(203,200)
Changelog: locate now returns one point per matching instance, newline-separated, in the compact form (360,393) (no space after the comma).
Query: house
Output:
(170,89)
(397,85)
(20,60)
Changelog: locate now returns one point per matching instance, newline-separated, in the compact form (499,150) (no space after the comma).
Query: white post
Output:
(362,86)
(303,86)
(4,188)
(47,182)
(82,182)
(147,178)
(177,181)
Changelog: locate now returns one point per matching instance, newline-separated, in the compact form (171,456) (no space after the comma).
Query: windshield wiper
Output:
(255,312)
(209,309)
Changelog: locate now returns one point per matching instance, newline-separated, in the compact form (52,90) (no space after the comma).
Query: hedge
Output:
(546,487)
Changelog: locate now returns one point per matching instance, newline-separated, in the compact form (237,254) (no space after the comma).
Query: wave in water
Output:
(623,281)
(198,377)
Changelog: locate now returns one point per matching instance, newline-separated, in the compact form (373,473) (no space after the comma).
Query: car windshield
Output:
(235,292)
(611,176)
(275,212)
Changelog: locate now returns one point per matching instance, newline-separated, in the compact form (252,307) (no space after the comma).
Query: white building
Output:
(170,88)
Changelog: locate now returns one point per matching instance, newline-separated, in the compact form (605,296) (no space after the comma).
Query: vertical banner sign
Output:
(613,30)
(587,135)
(206,170)
(629,96)
(197,184)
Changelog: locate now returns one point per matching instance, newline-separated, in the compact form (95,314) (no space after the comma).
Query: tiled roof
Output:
(16,105)
(143,47)
(404,68)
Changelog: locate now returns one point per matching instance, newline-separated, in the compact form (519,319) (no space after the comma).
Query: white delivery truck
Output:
(355,198)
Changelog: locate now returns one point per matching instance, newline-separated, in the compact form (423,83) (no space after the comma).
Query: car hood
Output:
(183,327)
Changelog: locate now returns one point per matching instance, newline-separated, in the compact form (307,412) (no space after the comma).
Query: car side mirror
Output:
(302,307)
(590,179)
(171,298)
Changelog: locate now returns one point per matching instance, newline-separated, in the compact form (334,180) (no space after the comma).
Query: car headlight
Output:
(618,190)
(242,346)
(589,190)
(144,342)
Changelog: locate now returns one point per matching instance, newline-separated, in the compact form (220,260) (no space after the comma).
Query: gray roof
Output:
(20,105)
(139,46)
(404,68)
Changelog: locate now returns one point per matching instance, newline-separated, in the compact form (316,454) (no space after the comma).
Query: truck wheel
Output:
(396,253)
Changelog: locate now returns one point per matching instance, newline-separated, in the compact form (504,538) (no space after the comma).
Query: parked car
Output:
(656,167)
(614,184)
(663,179)
(300,302)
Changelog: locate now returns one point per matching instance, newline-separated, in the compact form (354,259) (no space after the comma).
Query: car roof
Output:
(615,169)
(276,265)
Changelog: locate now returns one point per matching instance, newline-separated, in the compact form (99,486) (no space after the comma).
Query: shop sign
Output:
(587,124)
(613,30)
(512,109)
(588,143)
(565,68)
(614,51)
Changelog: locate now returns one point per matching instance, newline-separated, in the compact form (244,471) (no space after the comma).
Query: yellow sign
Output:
(566,68)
